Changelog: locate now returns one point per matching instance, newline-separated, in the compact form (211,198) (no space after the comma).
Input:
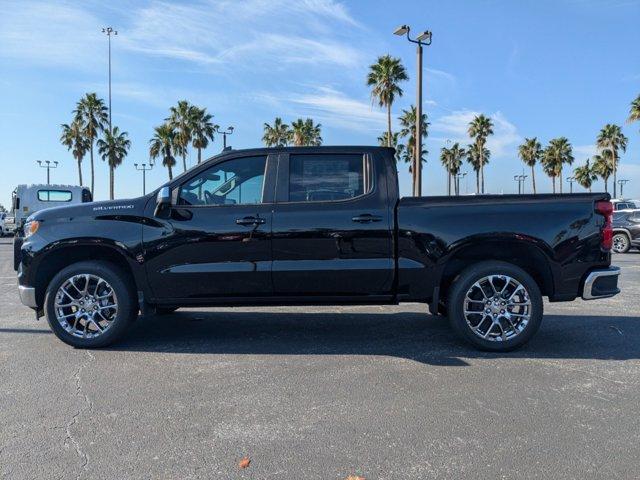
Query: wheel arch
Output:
(520,252)
(64,255)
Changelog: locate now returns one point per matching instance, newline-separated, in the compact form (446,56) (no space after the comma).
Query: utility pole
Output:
(224,134)
(571,180)
(48,165)
(423,39)
(622,183)
(109,31)
(143,167)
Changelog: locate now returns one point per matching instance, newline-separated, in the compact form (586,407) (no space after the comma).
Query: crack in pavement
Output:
(88,407)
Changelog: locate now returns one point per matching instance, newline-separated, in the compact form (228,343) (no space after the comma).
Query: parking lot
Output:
(323,393)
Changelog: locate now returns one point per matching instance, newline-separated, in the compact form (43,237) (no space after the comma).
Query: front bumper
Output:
(27,296)
(601,283)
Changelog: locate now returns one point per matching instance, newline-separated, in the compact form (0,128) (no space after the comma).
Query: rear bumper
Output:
(601,283)
(27,296)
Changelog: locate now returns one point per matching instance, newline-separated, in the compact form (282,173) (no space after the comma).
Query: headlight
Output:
(30,228)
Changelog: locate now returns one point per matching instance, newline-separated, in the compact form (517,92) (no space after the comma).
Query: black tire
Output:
(124,292)
(477,272)
(623,243)
(165,310)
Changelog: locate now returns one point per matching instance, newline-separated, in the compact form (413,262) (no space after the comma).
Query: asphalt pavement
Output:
(323,393)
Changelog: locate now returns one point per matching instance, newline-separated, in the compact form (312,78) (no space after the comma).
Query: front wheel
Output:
(495,306)
(90,304)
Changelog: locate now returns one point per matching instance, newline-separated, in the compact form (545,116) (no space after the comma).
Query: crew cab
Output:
(314,225)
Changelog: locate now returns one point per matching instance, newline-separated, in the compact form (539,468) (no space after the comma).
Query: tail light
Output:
(605,208)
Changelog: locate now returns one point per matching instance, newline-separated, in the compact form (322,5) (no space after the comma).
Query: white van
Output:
(28,199)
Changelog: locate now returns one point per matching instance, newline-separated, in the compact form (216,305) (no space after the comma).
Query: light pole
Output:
(224,134)
(520,179)
(143,167)
(423,39)
(571,180)
(622,183)
(109,31)
(48,165)
(457,181)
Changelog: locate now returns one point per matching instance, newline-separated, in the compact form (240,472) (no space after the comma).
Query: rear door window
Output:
(327,177)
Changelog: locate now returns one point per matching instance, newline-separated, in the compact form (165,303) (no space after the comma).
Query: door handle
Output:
(250,221)
(367,218)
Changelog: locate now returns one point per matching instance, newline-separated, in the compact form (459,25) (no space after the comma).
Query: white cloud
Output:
(454,126)
(49,34)
(260,31)
(581,152)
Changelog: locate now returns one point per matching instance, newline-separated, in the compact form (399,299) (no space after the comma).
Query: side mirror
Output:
(163,200)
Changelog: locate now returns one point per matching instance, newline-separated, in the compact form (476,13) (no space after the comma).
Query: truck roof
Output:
(310,150)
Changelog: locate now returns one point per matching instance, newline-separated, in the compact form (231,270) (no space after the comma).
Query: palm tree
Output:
(634,111)
(203,130)
(395,143)
(384,78)
(585,175)
(73,138)
(181,120)
(163,145)
(603,167)
(113,148)
(530,153)
(477,160)
(557,153)
(305,133)
(612,139)
(451,159)
(92,114)
(479,129)
(278,135)
(408,131)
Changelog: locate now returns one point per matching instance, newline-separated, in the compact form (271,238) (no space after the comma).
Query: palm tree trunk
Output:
(615,173)
(533,179)
(448,182)
(561,178)
(184,162)
(388,125)
(79,171)
(554,183)
(606,184)
(170,172)
(199,155)
(93,192)
(111,182)
(478,181)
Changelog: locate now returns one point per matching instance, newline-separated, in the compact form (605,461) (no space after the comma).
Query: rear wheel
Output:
(621,243)
(90,304)
(495,306)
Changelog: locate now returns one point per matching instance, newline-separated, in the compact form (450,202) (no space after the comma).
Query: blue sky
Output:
(543,68)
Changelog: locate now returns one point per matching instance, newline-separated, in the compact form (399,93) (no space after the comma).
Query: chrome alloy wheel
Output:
(620,243)
(497,308)
(85,305)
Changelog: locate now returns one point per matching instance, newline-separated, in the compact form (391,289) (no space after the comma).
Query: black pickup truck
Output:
(323,225)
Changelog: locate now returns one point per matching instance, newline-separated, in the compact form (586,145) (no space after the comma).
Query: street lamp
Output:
(422,39)
(48,165)
(457,181)
(520,179)
(109,31)
(622,183)
(143,167)
(571,180)
(224,134)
